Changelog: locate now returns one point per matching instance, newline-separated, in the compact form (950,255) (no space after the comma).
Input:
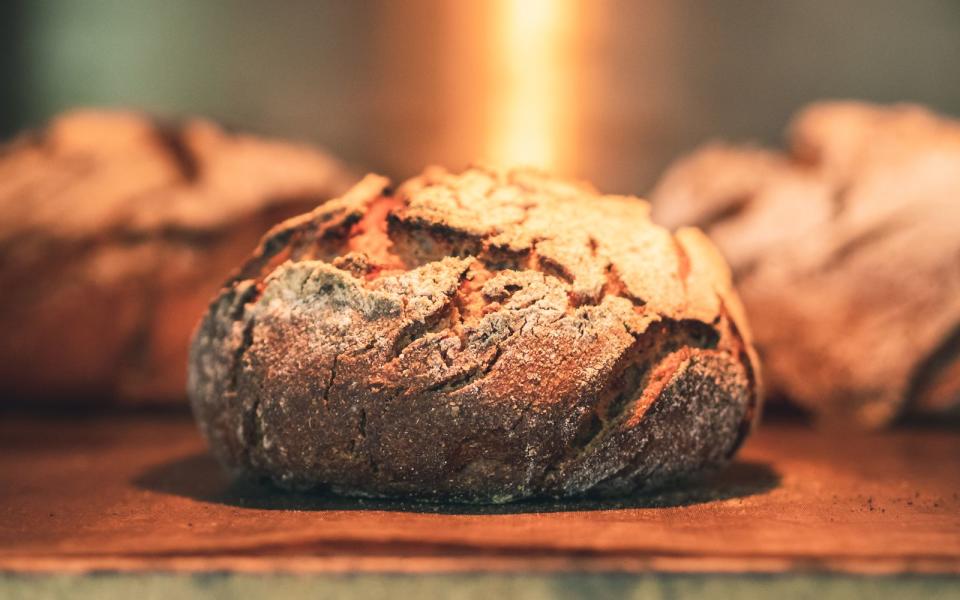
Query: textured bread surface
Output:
(483,336)
(846,251)
(115,231)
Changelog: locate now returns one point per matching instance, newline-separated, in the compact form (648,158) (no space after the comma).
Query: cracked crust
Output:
(115,231)
(483,336)
(845,250)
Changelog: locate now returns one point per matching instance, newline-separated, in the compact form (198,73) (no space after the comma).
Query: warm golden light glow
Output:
(533,82)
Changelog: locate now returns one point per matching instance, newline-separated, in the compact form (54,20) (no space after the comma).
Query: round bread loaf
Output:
(485,336)
(115,230)
(845,248)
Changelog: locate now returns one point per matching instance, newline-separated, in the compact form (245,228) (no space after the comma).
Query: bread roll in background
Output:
(845,248)
(115,233)
(484,336)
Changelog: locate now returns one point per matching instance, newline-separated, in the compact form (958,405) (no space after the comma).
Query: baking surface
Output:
(133,493)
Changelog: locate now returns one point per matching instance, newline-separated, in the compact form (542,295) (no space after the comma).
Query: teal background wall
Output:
(387,85)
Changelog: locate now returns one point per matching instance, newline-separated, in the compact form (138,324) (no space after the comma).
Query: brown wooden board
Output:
(138,492)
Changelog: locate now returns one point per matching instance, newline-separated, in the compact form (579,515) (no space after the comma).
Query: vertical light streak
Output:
(532,84)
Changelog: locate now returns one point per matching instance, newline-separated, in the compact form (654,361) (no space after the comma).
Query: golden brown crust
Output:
(115,231)
(482,336)
(845,251)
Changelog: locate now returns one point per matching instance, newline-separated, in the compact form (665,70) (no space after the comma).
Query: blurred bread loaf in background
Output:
(116,231)
(846,252)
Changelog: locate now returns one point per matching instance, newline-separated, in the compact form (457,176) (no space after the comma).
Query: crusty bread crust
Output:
(115,230)
(484,336)
(845,250)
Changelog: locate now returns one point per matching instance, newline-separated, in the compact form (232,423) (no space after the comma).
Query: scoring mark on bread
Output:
(644,370)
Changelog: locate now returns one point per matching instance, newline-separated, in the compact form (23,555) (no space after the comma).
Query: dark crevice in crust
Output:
(172,140)
(651,347)
(417,330)
(446,241)
(840,199)
(938,377)
(546,265)
(330,380)
(616,287)
(629,472)
(362,424)
(855,244)
(296,242)
(592,245)
(730,208)
(321,234)
(643,371)
(455,243)
(484,366)
(471,375)
(631,382)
